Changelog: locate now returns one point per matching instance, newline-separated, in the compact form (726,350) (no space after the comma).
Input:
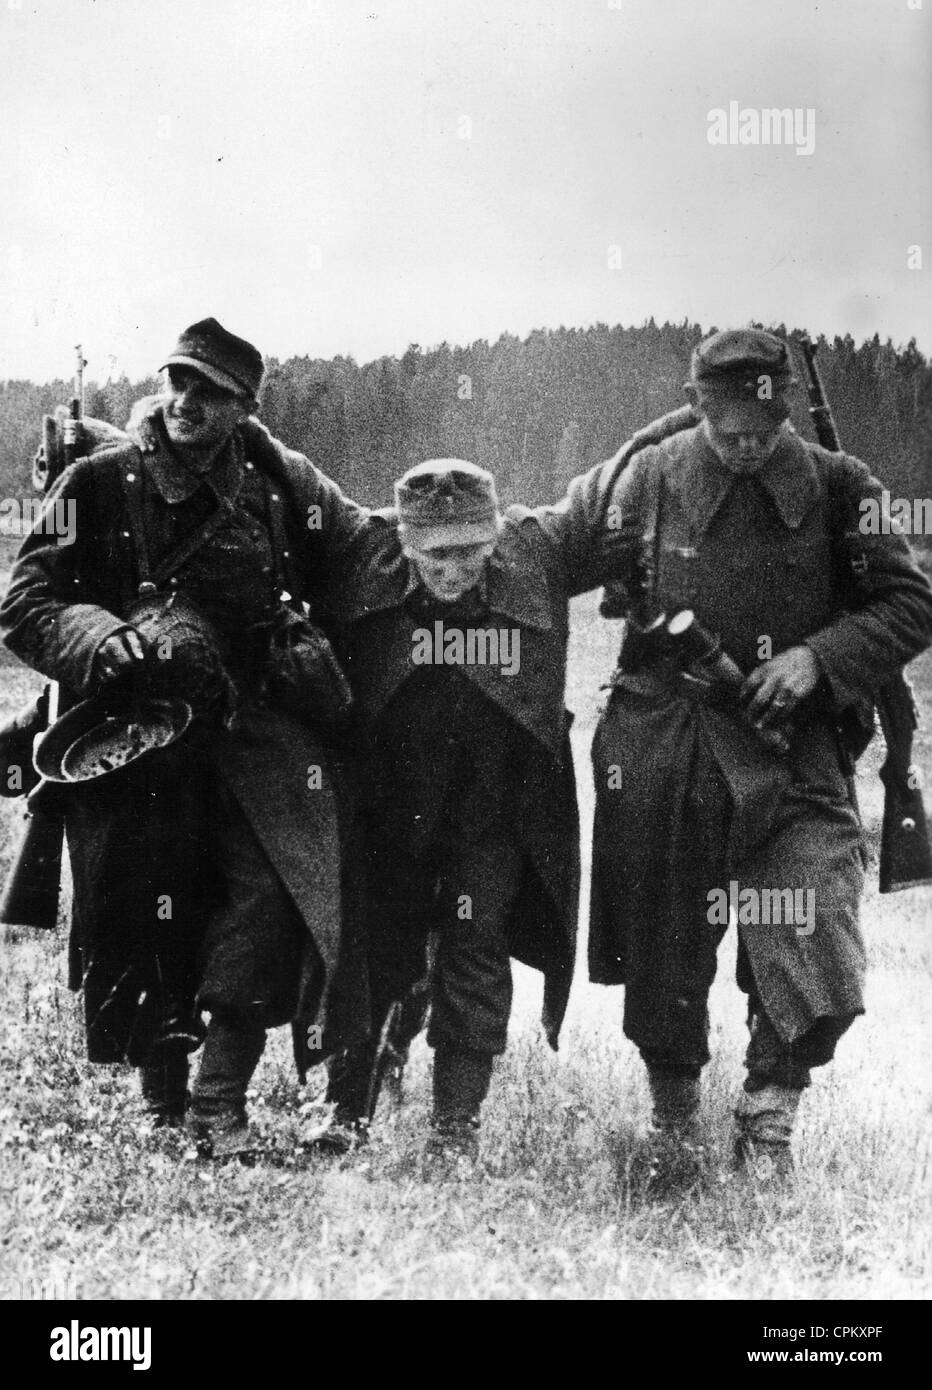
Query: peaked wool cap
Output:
(229,362)
(447,502)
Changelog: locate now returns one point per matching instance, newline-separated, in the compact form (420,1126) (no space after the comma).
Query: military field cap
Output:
(229,362)
(447,502)
(736,358)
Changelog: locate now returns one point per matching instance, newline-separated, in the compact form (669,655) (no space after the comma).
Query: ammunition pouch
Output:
(304,677)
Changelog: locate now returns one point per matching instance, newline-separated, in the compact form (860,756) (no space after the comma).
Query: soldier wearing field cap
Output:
(207,876)
(738,519)
(468,787)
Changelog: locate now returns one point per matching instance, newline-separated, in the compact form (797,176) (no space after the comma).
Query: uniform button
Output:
(286,554)
(125,534)
(275,497)
(131,477)
(250,467)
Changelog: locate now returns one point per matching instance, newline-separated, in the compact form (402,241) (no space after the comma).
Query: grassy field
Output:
(94,1207)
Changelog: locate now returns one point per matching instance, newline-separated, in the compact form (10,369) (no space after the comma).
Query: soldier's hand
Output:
(771,692)
(117,655)
(141,423)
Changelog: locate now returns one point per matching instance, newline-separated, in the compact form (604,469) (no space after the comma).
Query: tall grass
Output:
(95,1206)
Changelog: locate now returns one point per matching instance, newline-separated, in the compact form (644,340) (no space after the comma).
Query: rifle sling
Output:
(133,487)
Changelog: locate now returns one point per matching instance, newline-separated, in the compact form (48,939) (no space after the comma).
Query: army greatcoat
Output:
(688,800)
(542,557)
(145,842)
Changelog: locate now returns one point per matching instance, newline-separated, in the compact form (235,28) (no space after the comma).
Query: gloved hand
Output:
(119,654)
(771,693)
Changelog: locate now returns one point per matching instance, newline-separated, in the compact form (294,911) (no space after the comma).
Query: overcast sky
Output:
(331,177)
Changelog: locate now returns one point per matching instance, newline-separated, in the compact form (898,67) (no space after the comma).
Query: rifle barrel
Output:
(819,409)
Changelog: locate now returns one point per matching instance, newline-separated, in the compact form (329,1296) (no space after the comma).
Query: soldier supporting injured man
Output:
(209,874)
(739,520)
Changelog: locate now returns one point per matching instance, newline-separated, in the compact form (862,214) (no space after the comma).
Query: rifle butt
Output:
(905,849)
(30,894)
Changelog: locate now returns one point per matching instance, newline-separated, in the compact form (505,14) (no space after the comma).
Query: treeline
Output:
(535,411)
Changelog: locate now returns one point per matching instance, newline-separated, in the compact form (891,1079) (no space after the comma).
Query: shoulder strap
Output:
(848,550)
(150,577)
(192,542)
(618,595)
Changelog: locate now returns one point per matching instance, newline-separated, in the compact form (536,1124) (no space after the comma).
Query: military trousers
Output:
(464,893)
(459,897)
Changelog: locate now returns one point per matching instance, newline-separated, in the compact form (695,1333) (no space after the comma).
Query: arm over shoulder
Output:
(594,532)
(330,526)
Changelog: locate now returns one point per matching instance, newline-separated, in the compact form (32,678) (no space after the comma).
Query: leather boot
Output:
(344,1125)
(676,1156)
(223,1133)
(764,1121)
(217,1118)
(164,1084)
(462,1077)
(676,1096)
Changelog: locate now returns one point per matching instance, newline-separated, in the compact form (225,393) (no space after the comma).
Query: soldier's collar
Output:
(518,590)
(176,483)
(789,476)
(416,586)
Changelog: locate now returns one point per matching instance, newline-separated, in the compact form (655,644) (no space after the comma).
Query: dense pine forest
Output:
(535,411)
